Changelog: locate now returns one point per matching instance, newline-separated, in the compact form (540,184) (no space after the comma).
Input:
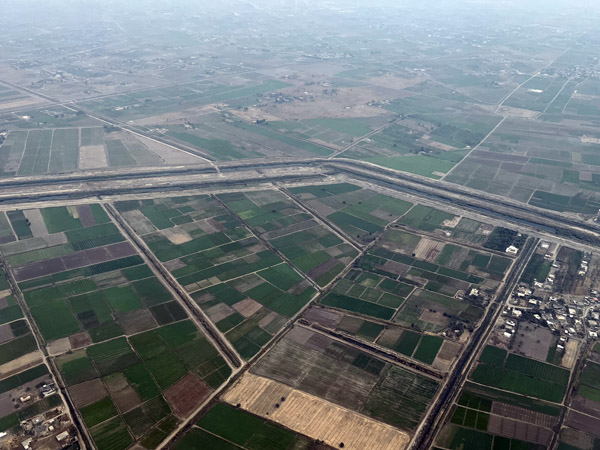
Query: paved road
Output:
(439,412)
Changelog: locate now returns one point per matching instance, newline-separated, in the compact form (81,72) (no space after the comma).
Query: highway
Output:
(570,228)
(111,185)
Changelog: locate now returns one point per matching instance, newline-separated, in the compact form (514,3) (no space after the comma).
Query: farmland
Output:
(429,274)
(488,419)
(63,150)
(358,212)
(581,430)
(524,163)
(423,140)
(134,364)
(154,102)
(308,245)
(251,432)
(245,288)
(18,352)
(310,225)
(143,384)
(336,370)
(22,403)
(521,375)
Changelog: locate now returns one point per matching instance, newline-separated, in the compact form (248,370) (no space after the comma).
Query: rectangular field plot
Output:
(37,153)
(521,375)
(12,151)
(358,212)
(64,155)
(214,431)
(143,385)
(589,382)
(348,377)
(310,246)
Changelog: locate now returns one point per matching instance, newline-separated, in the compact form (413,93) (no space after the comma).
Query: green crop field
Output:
(122,299)
(17,348)
(359,212)
(112,356)
(141,380)
(197,438)
(19,224)
(590,381)
(76,368)
(55,319)
(11,311)
(159,433)
(428,348)
(118,154)
(470,418)
(98,412)
(28,375)
(407,343)
(144,417)
(59,219)
(112,435)
(105,332)
(250,431)
(521,375)
(355,305)
(282,276)
(493,355)
(37,153)
(64,156)
(425,218)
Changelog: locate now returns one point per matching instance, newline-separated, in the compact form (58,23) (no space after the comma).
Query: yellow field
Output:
(313,416)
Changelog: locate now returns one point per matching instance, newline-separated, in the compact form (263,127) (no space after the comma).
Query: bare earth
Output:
(313,416)
(570,357)
(59,346)
(28,360)
(38,226)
